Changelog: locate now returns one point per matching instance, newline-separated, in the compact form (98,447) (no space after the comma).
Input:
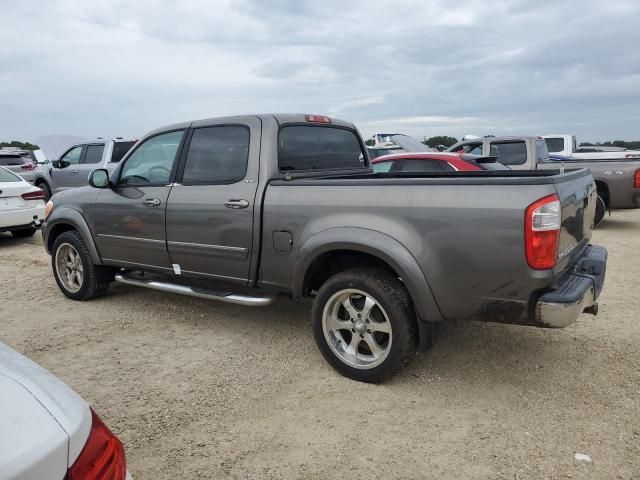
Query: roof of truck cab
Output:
(281,118)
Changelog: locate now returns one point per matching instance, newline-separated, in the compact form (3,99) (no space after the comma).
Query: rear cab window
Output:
(509,153)
(308,148)
(554,145)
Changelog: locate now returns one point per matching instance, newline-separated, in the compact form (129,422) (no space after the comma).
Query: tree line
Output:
(20,145)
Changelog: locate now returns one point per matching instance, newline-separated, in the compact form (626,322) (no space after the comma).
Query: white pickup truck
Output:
(566,146)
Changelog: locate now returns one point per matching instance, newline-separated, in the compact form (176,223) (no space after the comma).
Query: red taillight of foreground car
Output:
(102,457)
(34,195)
(636,179)
(542,232)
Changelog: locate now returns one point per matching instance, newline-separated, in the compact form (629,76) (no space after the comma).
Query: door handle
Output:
(151,202)
(236,204)
(74,171)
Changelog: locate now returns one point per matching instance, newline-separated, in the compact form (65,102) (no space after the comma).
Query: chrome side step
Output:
(228,297)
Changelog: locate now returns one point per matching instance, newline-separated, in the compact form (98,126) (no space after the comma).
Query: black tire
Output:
(601,209)
(96,278)
(47,190)
(393,297)
(23,232)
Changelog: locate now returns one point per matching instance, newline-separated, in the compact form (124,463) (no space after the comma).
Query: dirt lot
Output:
(197,389)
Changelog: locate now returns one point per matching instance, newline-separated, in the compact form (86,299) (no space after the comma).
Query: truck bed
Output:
(465,229)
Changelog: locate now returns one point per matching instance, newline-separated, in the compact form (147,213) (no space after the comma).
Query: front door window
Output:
(151,163)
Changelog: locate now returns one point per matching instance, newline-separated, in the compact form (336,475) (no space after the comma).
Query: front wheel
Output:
(75,274)
(364,324)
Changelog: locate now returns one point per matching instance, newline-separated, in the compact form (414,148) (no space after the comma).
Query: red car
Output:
(434,162)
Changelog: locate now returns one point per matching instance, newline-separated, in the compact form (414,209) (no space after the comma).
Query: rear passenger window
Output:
(418,166)
(217,155)
(302,147)
(511,153)
(93,153)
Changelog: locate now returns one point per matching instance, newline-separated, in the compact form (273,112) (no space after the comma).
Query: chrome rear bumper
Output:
(575,292)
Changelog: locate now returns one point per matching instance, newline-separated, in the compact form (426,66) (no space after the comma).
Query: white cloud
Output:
(429,67)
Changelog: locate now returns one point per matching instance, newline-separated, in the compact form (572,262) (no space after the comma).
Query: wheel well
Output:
(56,231)
(336,261)
(603,192)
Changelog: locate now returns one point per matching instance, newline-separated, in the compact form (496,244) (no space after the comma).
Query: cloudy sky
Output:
(424,67)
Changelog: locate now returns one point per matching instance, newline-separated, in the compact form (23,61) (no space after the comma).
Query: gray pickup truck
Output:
(617,179)
(241,209)
(73,167)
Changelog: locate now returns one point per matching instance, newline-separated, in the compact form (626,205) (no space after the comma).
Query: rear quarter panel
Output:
(467,239)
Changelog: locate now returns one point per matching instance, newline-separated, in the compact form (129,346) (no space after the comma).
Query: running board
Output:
(228,297)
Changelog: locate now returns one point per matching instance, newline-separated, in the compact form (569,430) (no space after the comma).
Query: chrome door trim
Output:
(222,249)
(125,238)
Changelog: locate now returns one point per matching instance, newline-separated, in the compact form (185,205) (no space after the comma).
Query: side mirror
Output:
(99,178)
(55,163)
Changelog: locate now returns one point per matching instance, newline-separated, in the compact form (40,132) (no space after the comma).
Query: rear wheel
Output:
(23,232)
(364,324)
(601,209)
(75,274)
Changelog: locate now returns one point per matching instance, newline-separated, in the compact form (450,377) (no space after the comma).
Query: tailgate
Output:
(578,199)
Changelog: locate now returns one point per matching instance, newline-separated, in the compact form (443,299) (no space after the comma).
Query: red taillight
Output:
(317,119)
(28,166)
(102,457)
(542,232)
(34,195)
(636,179)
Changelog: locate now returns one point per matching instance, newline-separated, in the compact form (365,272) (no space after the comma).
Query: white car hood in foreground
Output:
(43,423)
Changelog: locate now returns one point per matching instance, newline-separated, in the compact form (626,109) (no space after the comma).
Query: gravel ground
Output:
(198,389)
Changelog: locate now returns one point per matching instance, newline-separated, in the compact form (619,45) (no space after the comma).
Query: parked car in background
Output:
(240,209)
(19,163)
(21,205)
(47,432)
(73,167)
(617,180)
(567,146)
(434,162)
